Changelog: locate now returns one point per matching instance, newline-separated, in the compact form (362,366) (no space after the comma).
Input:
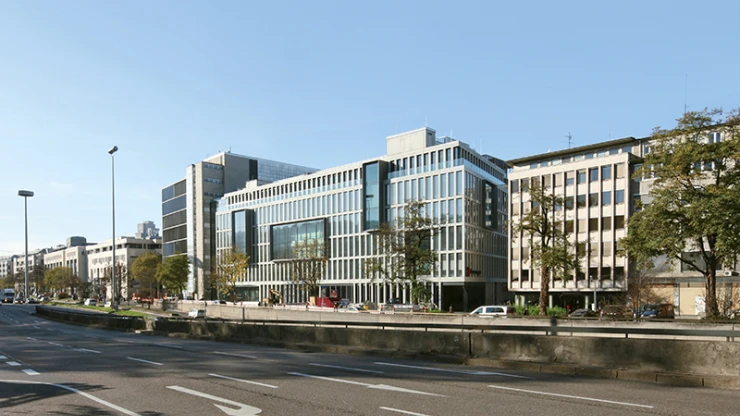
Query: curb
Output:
(670,379)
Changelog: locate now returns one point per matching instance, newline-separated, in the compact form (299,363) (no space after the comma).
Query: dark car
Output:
(583,313)
(616,312)
(31,301)
(657,311)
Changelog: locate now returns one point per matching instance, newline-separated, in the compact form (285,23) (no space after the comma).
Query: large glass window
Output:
(606,198)
(240,231)
(285,237)
(173,205)
(606,172)
(372,197)
(581,176)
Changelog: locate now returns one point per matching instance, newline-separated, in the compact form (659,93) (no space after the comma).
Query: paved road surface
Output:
(53,368)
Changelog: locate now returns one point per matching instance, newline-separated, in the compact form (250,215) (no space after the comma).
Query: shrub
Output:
(62,295)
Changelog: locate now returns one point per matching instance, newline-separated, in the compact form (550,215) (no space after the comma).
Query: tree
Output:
(61,278)
(693,215)
(36,277)
(552,252)
(231,266)
(173,274)
(404,251)
(641,284)
(309,264)
(144,271)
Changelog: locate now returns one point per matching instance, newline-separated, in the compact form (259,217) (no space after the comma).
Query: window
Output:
(606,198)
(619,196)
(525,185)
(620,170)
(568,203)
(593,174)
(593,224)
(569,178)
(581,176)
(569,226)
(606,223)
(581,201)
(606,249)
(514,185)
(619,222)
(558,179)
(582,228)
(547,181)
(593,199)
(606,172)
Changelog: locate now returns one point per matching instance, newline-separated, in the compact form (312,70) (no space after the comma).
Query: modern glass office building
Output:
(465,194)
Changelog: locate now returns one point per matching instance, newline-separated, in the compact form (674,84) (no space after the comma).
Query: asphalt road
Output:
(53,368)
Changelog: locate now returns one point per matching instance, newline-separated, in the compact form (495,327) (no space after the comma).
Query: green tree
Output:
(231,266)
(36,278)
(144,272)
(693,215)
(61,278)
(553,254)
(309,264)
(173,274)
(404,251)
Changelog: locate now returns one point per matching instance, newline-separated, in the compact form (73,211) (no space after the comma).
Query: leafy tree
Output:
(309,264)
(231,266)
(404,251)
(694,202)
(61,278)
(552,252)
(36,278)
(144,271)
(173,274)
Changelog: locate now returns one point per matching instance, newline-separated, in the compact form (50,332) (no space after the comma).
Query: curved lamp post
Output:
(26,195)
(114,296)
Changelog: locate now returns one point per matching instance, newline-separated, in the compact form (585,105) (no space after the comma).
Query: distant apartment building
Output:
(99,257)
(464,193)
(600,195)
(6,266)
(147,229)
(35,258)
(72,255)
(189,213)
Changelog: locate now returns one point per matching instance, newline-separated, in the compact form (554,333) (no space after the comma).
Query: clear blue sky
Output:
(322,84)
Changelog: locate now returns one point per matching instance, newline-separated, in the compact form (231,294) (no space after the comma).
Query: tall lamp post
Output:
(25,195)
(112,150)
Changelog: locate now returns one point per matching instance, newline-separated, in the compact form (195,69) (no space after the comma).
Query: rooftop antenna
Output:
(570,140)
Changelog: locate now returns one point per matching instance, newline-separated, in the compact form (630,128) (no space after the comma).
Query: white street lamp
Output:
(25,195)
(112,150)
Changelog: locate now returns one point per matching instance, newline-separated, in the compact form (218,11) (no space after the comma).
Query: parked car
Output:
(31,301)
(657,311)
(44,299)
(90,302)
(494,311)
(583,313)
(616,312)
(18,300)
(197,313)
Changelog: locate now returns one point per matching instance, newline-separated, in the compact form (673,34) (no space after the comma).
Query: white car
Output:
(494,311)
(90,302)
(197,313)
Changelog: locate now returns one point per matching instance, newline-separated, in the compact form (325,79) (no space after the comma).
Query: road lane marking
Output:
(347,368)
(243,381)
(82,393)
(32,339)
(2,357)
(390,409)
(446,370)
(13,363)
(54,343)
(370,386)
(235,355)
(86,350)
(144,361)
(242,409)
(30,372)
(572,397)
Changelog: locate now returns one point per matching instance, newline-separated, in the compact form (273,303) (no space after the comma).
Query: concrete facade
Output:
(100,263)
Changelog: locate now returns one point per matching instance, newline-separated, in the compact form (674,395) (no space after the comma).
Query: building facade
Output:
(6,266)
(463,192)
(72,255)
(147,229)
(100,262)
(188,208)
(600,195)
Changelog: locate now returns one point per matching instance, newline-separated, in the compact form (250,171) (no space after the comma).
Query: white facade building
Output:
(99,258)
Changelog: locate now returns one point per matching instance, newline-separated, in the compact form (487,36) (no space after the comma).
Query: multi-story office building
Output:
(600,194)
(464,193)
(35,258)
(72,255)
(188,213)
(146,229)
(99,258)
(6,266)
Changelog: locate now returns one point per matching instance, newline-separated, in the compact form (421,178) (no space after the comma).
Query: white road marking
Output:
(370,386)
(86,350)
(89,396)
(572,397)
(242,409)
(2,357)
(54,343)
(13,363)
(32,339)
(244,381)
(347,368)
(446,370)
(144,361)
(390,409)
(30,372)
(235,355)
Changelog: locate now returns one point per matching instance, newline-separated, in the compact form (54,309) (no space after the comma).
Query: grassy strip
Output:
(120,312)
